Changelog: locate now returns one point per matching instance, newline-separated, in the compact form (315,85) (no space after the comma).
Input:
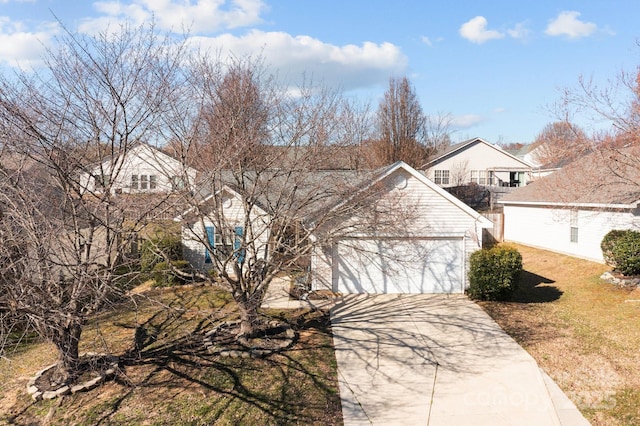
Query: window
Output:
(177,183)
(574,226)
(153,182)
(144,181)
(103,181)
(441,177)
(134,181)
(479,177)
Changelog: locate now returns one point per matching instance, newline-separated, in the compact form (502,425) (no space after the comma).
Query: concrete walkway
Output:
(437,360)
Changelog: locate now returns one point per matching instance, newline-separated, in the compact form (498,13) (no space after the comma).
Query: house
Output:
(141,169)
(417,239)
(571,210)
(478,161)
(533,154)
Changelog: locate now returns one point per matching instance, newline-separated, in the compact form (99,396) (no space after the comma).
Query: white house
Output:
(223,234)
(571,210)
(142,169)
(478,161)
(423,246)
(429,253)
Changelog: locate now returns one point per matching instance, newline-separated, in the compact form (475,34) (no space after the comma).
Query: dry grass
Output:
(167,377)
(582,331)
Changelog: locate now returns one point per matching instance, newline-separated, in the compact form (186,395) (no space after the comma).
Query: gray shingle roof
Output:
(604,178)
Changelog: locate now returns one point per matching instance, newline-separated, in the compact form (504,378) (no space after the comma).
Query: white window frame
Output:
(573,226)
(441,177)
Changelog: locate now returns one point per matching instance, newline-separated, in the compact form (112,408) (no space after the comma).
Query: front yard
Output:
(168,377)
(583,332)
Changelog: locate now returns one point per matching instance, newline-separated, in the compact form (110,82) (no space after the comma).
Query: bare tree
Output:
(400,125)
(64,243)
(254,217)
(561,142)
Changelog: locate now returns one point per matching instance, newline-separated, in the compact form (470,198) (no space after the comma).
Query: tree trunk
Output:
(66,340)
(248,304)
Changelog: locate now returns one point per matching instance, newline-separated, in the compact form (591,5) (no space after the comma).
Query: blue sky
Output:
(494,66)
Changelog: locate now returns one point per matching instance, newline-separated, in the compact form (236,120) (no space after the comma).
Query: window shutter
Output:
(237,244)
(211,233)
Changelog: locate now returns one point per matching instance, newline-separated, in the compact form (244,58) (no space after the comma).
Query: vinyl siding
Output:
(550,228)
(428,215)
(193,234)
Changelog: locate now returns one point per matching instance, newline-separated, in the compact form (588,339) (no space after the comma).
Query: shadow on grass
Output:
(292,387)
(533,288)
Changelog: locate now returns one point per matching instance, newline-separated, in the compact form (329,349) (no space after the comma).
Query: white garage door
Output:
(398,266)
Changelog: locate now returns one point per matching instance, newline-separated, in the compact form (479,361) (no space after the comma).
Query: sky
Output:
(495,68)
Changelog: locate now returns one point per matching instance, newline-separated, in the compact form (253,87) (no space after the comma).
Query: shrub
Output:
(626,253)
(164,273)
(158,249)
(493,273)
(608,243)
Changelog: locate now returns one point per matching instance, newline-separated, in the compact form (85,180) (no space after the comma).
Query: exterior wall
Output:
(143,160)
(477,156)
(550,228)
(193,234)
(429,214)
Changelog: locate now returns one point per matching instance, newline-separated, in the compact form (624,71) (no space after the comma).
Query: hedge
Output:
(621,250)
(493,273)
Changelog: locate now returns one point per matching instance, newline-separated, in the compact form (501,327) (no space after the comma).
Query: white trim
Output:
(568,205)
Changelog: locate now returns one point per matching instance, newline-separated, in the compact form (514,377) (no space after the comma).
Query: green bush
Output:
(158,249)
(164,276)
(626,253)
(608,243)
(493,273)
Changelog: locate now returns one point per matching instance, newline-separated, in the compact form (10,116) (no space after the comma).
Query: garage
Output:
(427,265)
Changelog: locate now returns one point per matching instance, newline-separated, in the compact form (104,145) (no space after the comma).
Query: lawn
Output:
(170,379)
(582,331)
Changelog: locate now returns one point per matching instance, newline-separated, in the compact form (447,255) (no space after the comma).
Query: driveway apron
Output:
(435,360)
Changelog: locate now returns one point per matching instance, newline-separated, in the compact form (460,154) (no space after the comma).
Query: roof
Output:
(453,149)
(606,178)
(339,188)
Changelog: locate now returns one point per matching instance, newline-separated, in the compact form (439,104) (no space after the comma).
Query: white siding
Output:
(550,228)
(257,236)
(430,215)
(142,160)
(477,156)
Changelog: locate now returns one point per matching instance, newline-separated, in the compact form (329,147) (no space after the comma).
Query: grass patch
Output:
(582,331)
(168,378)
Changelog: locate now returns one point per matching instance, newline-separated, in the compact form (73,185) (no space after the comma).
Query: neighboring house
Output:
(478,161)
(425,251)
(143,169)
(571,210)
(531,154)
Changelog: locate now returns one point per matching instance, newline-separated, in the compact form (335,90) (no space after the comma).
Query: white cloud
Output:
(426,40)
(466,121)
(475,30)
(18,46)
(568,24)
(196,16)
(349,66)
(520,31)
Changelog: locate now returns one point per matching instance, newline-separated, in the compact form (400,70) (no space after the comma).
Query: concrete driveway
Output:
(437,360)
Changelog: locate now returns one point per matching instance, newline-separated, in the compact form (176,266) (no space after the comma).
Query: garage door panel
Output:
(399,266)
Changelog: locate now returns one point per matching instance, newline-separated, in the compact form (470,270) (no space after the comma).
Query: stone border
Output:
(622,282)
(37,394)
(248,352)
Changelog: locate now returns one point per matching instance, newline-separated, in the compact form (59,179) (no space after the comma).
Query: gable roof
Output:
(454,149)
(607,178)
(384,172)
(358,183)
